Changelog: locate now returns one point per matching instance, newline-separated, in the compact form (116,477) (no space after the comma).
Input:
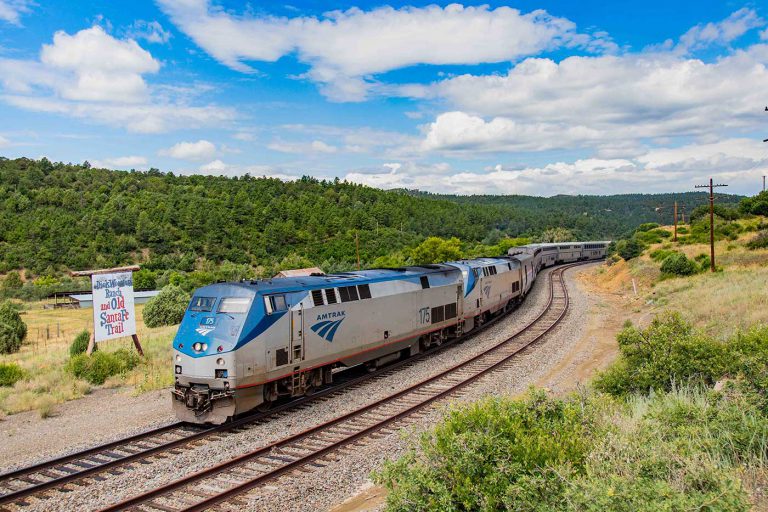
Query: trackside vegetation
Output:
(652,434)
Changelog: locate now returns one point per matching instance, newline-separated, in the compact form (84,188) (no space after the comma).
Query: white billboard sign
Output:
(113,311)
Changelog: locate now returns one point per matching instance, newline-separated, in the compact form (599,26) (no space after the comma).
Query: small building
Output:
(300,272)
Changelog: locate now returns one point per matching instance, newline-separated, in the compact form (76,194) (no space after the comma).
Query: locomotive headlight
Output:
(197,347)
(220,361)
(178,358)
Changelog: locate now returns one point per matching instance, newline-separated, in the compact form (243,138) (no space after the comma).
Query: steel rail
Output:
(83,464)
(146,500)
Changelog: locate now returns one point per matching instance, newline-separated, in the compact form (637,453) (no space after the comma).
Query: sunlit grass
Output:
(48,383)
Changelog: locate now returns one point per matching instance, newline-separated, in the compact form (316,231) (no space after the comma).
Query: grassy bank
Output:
(45,354)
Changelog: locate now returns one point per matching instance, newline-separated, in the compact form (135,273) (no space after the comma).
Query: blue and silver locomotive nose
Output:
(209,333)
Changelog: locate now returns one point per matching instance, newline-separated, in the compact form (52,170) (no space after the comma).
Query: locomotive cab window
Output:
(204,304)
(275,304)
(231,305)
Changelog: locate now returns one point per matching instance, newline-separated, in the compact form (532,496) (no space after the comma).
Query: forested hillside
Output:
(56,216)
(591,216)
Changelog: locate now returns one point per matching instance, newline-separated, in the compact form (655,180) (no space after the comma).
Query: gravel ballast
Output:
(324,488)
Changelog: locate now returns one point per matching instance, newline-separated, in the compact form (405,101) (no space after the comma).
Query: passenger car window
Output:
(202,304)
(234,305)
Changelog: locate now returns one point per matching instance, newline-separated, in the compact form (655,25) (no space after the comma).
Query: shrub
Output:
(12,281)
(167,307)
(13,330)
(668,351)
(630,248)
(80,344)
(671,451)
(647,226)
(492,452)
(10,373)
(679,265)
(99,366)
(756,205)
(760,241)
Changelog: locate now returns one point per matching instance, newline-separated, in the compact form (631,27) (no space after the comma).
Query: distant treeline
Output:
(56,216)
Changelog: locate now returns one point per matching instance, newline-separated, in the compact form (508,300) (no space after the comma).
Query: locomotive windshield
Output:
(234,305)
(204,304)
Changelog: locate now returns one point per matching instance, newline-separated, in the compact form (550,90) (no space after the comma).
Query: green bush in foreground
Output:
(80,344)
(10,374)
(167,307)
(492,452)
(669,451)
(13,330)
(668,351)
(99,366)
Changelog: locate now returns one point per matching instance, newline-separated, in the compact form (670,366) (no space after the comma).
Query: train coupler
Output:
(200,399)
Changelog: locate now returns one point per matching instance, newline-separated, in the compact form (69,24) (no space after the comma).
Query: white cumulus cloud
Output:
(597,101)
(199,150)
(93,76)
(738,162)
(346,48)
(102,68)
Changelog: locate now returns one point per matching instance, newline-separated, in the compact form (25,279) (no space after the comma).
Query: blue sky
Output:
(532,97)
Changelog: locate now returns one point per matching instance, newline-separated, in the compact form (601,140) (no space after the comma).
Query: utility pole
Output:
(763,182)
(675,238)
(711,220)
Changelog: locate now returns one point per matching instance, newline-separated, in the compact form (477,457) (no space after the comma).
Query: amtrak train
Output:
(244,345)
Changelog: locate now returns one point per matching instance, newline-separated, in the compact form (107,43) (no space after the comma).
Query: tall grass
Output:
(46,381)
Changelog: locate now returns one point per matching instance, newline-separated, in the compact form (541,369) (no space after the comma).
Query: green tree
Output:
(167,307)
(13,330)
(144,279)
(437,250)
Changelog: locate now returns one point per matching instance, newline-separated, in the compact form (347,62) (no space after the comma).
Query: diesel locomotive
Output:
(243,345)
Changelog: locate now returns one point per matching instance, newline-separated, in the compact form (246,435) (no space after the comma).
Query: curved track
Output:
(117,456)
(314,447)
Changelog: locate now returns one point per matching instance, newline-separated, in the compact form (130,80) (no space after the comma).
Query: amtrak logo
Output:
(487,291)
(327,328)
(204,330)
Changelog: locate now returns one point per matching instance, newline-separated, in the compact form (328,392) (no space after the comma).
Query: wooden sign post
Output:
(114,314)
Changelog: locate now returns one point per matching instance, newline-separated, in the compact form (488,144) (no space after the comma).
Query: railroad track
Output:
(314,448)
(116,457)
